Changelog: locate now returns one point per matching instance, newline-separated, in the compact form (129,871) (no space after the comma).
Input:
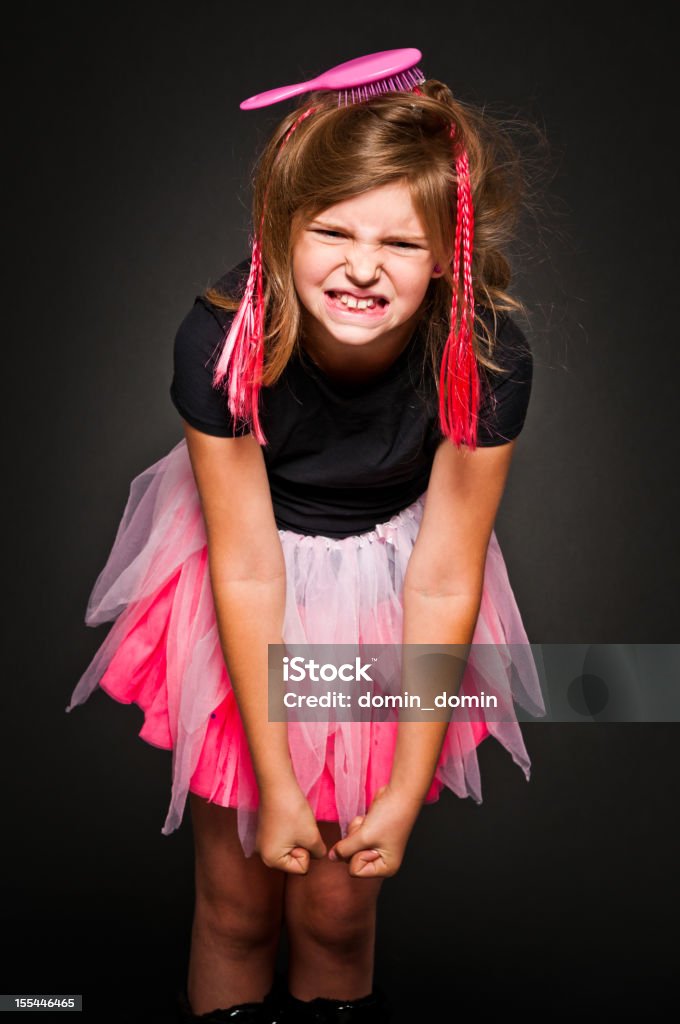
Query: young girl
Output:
(350,398)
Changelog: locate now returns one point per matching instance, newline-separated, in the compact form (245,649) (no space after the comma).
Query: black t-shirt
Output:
(341,458)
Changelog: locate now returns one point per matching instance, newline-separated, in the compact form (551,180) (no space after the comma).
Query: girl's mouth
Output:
(342,302)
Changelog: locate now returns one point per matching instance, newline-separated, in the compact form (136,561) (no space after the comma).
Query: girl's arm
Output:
(247,575)
(441,599)
(248,579)
(444,582)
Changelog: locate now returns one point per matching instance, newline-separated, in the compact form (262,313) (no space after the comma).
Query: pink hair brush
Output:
(354,80)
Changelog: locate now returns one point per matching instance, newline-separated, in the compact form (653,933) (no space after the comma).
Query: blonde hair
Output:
(341,152)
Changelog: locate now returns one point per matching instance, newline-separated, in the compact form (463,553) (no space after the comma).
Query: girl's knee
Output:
(240,925)
(338,917)
(239,901)
(344,935)
(239,910)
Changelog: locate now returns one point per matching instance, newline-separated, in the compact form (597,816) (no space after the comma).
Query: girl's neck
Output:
(357,365)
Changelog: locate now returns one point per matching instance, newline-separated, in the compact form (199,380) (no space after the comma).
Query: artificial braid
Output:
(242,357)
(459,377)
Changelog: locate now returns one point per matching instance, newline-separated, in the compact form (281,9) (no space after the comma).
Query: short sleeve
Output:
(505,396)
(197,346)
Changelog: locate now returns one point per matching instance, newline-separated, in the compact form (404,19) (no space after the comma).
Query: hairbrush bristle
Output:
(405,81)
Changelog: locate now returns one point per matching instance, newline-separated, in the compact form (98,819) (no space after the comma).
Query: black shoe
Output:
(265,1012)
(272,1012)
(372,1009)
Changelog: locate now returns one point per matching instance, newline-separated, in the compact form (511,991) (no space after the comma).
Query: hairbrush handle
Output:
(265,99)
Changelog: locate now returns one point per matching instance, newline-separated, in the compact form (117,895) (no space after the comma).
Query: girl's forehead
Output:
(397,192)
(391,204)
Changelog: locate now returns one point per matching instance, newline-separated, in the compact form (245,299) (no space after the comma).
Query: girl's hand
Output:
(287,832)
(375,842)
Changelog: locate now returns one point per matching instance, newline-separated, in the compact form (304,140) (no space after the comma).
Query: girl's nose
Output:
(363,263)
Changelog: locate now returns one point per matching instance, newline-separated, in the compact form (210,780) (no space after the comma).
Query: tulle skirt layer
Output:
(163,653)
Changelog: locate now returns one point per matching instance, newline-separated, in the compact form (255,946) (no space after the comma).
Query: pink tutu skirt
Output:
(163,653)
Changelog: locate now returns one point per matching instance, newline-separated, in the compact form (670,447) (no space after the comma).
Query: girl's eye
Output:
(338,234)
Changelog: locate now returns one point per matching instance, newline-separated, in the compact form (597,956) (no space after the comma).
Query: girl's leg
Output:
(237,916)
(331,923)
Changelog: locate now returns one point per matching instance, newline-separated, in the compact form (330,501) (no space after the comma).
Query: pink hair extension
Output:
(459,378)
(242,357)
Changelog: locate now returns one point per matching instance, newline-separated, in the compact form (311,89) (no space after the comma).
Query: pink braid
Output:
(242,357)
(459,378)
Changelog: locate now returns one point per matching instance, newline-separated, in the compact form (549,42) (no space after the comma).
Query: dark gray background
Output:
(128,193)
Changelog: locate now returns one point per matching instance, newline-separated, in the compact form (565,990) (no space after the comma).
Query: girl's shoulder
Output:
(506,391)
(202,330)
(229,286)
(511,349)
(196,348)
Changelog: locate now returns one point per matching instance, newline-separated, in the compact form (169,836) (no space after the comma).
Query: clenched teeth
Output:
(354,303)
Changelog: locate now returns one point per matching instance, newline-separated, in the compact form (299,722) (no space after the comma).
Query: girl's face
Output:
(361,271)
